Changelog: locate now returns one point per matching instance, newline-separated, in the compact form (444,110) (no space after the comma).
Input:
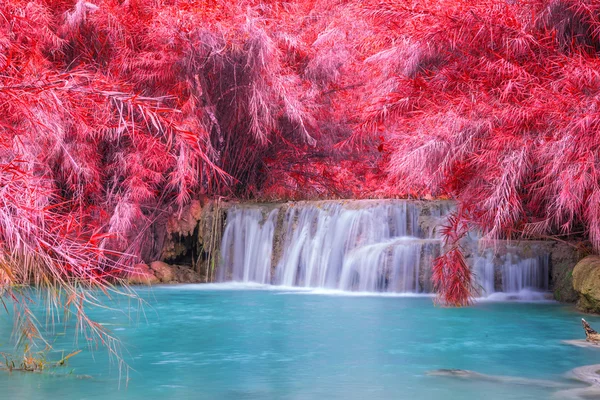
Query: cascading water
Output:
(330,246)
(511,272)
(392,266)
(525,273)
(374,247)
(247,246)
(368,246)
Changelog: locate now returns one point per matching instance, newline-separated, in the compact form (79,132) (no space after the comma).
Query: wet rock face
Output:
(174,273)
(191,239)
(563,259)
(181,229)
(586,282)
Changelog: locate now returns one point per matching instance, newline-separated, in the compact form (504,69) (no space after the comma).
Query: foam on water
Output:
(230,285)
(523,295)
(281,289)
(344,293)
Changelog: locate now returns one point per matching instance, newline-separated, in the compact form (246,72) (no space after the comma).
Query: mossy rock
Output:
(586,282)
(563,287)
(563,258)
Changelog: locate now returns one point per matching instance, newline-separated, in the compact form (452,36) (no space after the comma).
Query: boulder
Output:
(185,274)
(163,271)
(586,282)
(142,275)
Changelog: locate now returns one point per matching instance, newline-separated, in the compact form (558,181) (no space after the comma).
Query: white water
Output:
(247,246)
(515,273)
(365,249)
(375,247)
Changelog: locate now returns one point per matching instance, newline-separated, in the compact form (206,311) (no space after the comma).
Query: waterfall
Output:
(369,246)
(525,273)
(247,246)
(511,272)
(484,274)
(364,249)
(376,246)
(394,266)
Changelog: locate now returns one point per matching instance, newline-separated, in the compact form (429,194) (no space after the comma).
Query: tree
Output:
(494,104)
(116,113)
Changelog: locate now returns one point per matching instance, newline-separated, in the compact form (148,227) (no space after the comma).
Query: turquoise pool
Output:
(222,342)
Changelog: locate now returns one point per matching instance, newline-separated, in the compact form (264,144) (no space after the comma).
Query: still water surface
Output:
(227,342)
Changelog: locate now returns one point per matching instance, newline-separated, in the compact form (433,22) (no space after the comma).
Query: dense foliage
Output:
(496,104)
(117,112)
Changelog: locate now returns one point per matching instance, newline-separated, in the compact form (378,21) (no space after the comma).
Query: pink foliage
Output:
(117,112)
(494,104)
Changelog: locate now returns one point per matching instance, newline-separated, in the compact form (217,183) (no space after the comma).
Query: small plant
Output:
(31,361)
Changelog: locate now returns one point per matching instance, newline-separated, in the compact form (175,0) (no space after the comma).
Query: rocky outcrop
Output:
(161,272)
(142,275)
(563,258)
(586,282)
(193,237)
(182,274)
(180,231)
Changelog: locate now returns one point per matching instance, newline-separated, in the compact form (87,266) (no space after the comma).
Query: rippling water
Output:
(228,342)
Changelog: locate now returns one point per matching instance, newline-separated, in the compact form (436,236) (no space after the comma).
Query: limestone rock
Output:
(182,230)
(163,271)
(586,282)
(142,275)
(185,222)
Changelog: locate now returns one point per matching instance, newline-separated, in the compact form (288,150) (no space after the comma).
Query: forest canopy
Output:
(117,113)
